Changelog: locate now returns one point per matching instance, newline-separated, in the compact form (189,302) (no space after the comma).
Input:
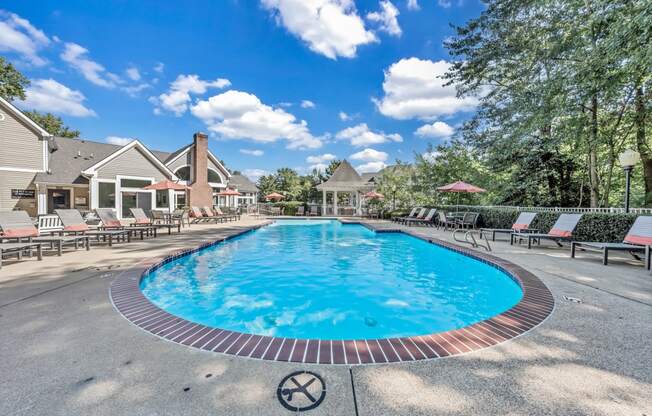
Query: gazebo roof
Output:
(344,178)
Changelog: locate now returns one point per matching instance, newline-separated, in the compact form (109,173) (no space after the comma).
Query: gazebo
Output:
(344,180)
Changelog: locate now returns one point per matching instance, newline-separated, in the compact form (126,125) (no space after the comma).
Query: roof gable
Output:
(92,170)
(13,110)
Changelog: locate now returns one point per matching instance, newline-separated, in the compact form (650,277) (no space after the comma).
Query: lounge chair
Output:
(314,211)
(200,216)
(232,216)
(17,225)
(562,230)
(427,220)
(111,222)
(19,248)
(143,220)
(217,213)
(637,238)
(181,215)
(420,215)
(74,224)
(301,211)
(522,224)
(412,214)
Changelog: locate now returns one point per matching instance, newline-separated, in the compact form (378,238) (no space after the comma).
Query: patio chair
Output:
(562,230)
(74,224)
(412,214)
(276,211)
(427,220)
(314,211)
(636,240)
(111,222)
(522,224)
(143,220)
(301,211)
(468,220)
(445,221)
(420,215)
(217,213)
(18,226)
(19,249)
(181,215)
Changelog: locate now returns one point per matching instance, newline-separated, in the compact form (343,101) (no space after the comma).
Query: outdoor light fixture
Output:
(628,159)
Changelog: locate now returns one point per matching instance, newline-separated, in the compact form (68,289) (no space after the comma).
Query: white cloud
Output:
(307,104)
(319,162)
(133,73)
(254,174)
(159,67)
(438,129)
(360,135)
(176,100)
(344,116)
(240,115)
(414,88)
(75,56)
(50,96)
(386,18)
(17,35)
(445,3)
(370,167)
(120,141)
(252,152)
(326,157)
(133,90)
(329,27)
(413,5)
(369,155)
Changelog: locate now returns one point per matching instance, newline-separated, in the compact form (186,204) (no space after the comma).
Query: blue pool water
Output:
(327,280)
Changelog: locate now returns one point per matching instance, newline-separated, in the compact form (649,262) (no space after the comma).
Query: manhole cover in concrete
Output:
(301,391)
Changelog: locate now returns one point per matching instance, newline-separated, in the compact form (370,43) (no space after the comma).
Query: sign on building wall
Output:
(23,193)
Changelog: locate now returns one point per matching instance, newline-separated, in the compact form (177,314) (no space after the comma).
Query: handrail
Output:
(469,238)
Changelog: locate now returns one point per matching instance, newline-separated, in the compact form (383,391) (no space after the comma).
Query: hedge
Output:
(288,207)
(604,227)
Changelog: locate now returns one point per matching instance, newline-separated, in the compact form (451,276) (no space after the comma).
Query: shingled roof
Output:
(344,177)
(242,183)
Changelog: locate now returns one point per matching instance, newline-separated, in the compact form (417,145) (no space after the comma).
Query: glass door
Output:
(135,200)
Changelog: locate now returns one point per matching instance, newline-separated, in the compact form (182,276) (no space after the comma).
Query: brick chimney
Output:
(201,194)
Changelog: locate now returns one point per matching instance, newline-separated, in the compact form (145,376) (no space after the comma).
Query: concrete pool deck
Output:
(65,350)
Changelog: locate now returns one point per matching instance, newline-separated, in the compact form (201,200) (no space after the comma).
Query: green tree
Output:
(394,184)
(330,169)
(52,124)
(267,185)
(12,82)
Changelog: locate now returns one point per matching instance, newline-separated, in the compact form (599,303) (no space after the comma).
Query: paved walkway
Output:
(66,351)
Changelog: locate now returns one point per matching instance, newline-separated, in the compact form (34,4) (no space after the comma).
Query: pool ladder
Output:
(469,238)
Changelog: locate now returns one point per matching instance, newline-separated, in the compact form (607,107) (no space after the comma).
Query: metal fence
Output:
(555,209)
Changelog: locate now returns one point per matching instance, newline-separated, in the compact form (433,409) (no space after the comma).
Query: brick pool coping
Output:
(534,307)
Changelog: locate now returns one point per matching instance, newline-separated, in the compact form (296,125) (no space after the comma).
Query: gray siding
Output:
(16,180)
(20,147)
(183,160)
(131,163)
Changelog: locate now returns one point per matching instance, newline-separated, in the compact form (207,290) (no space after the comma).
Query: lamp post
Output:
(628,159)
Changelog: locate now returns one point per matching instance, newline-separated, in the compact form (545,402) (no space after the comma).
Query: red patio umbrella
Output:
(374,195)
(164,185)
(274,195)
(459,187)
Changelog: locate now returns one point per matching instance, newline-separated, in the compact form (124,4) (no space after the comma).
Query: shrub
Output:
(603,227)
(289,207)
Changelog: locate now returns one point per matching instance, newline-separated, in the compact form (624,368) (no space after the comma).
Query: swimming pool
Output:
(326,280)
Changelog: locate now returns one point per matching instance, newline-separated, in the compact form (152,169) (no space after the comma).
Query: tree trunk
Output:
(593,155)
(642,145)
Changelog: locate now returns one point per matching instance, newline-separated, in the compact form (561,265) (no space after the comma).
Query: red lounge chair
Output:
(74,224)
(562,230)
(637,239)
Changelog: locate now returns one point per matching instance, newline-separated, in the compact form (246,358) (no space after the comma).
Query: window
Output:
(213,177)
(162,199)
(106,194)
(181,200)
(183,173)
(134,183)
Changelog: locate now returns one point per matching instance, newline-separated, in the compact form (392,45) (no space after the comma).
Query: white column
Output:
(323,202)
(93,196)
(335,203)
(358,203)
(41,200)
(171,200)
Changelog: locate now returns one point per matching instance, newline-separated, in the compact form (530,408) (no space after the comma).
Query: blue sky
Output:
(274,82)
